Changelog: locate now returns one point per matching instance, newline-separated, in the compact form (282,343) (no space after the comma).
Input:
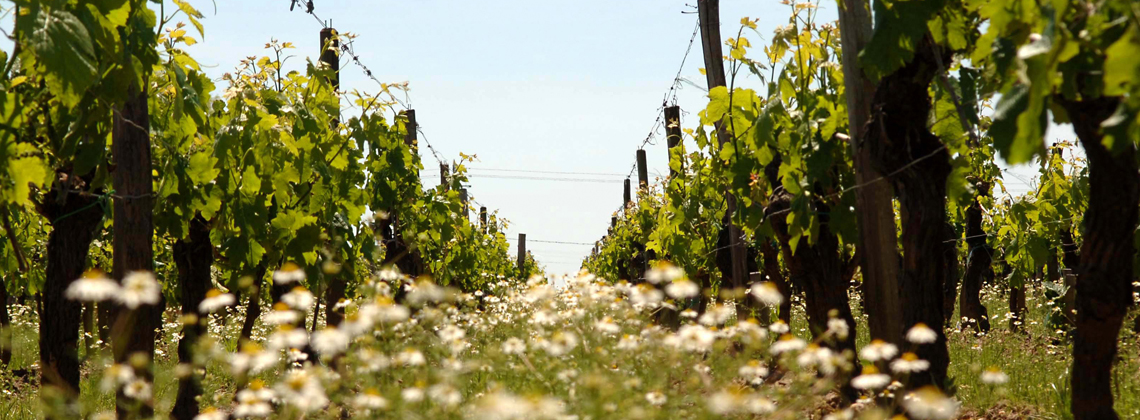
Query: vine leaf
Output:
(899,27)
(62,47)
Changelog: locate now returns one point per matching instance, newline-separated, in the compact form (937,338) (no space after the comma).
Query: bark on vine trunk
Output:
(950,287)
(1104,285)
(74,221)
(917,165)
(979,266)
(1017,306)
(334,293)
(194,256)
(253,307)
(818,268)
(771,257)
(5,325)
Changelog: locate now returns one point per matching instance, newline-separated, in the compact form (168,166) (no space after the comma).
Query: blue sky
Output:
(550,85)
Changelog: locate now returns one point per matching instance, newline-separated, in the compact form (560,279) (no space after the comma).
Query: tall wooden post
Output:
(133,229)
(330,56)
(522,256)
(672,133)
(483,218)
(463,199)
(626,198)
(443,174)
(411,138)
(642,171)
(875,212)
(709,14)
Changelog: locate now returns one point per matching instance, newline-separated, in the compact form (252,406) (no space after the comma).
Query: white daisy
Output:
(921,334)
(215,300)
(871,379)
(682,289)
(137,389)
(288,274)
(878,350)
(139,288)
(928,403)
(330,341)
(299,298)
(656,398)
(909,363)
(787,343)
(994,376)
(767,293)
(94,286)
(514,345)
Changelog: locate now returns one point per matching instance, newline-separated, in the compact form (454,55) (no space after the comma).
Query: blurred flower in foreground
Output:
(767,293)
(921,334)
(994,376)
(878,350)
(94,286)
(870,379)
(140,288)
(215,300)
(928,403)
(288,274)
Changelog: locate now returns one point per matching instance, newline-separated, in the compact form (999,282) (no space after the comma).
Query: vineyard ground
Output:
(1037,364)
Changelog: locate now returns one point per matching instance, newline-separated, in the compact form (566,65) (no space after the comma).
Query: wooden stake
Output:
(411,138)
(873,203)
(626,198)
(443,173)
(642,171)
(483,218)
(330,54)
(522,256)
(463,199)
(672,133)
(709,13)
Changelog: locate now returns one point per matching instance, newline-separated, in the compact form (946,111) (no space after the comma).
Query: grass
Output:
(1036,359)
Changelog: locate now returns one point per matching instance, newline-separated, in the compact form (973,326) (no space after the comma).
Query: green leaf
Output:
(1122,63)
(250,182)
(899,27)
(193,14)
(21,172)
(63,51)
(718,105)
(203,168)
(1015,147)
(787,91)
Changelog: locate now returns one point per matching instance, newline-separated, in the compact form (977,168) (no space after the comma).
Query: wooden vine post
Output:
(642,171)
(411,138)
(875,214)
(133,205)
(522,256)
(443,174)
(672,133)
(709,14)
(337,284)
(626,198)
(463,199)
(483,218)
